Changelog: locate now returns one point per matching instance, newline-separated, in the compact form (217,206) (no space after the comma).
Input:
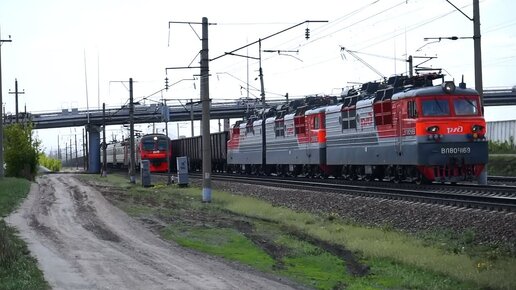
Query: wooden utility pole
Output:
(2,172)
(104,146)
(191,117)
(132,168)
(71,153)
(87,152)
(16,93)
(58,149)
(84,155)
(76,155)
(205,100)
(477,50)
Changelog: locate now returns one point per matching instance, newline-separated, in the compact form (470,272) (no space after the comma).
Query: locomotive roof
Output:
(153,135)
(315,110)
(431,91)
(395,88)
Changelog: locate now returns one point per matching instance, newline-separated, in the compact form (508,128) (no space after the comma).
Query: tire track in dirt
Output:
(81,241)
(87,215)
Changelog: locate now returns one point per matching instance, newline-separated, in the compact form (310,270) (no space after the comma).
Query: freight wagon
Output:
(192,148)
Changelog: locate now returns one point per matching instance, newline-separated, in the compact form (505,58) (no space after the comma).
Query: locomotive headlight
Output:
(155,138)
(448,87)
(432,129)
(477,128)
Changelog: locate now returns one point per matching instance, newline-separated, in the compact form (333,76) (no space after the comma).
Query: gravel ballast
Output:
(488,226)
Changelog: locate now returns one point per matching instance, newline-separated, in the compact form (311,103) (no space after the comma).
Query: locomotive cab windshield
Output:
(465,106)
(435,107)
(460,105)
(154,144)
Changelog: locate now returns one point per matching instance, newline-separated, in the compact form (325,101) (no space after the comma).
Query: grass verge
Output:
(18,270)
(503,165)
(317,251)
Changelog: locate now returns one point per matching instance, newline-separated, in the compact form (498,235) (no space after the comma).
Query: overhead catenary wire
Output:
(408,28)
(372,41)
(342,23)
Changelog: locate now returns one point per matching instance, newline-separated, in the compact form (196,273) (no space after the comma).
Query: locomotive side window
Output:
(299,123)
(279,128)
(465,107)
(348,119)
(412,109)
(352,119)
(300,129)
(345,120)
(249,129)
(435,107)
(387,112)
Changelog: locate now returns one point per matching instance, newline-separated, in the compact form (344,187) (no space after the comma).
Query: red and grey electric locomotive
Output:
(402,129)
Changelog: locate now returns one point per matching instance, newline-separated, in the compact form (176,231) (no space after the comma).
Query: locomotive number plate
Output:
(456,150)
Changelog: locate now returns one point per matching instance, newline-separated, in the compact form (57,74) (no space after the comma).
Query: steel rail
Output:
(491,202)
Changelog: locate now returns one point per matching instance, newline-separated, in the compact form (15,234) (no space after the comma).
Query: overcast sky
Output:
(58,44)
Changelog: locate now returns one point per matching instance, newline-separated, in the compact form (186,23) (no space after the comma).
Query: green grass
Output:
(18,270)
(388,274)
(376,243)
(312,265)
(12,191)
(501,165)
(396,260)
(223,242)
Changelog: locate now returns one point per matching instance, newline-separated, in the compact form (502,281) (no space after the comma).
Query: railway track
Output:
(490,197)
(507,180)
(493,197)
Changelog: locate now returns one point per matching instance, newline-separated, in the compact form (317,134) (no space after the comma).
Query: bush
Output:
(505,147)
(502,165)
(21,151)
(50,163)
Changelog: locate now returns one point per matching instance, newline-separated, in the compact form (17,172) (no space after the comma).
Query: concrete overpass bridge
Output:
(142,114)
(500,97)
(94,119)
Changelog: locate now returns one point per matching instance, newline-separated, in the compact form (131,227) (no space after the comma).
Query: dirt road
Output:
(83,242)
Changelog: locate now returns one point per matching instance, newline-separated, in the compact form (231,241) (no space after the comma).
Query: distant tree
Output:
(21,151)
(49,163)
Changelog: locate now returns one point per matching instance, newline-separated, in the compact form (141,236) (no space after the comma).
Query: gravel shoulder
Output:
(81,241)
(495,228)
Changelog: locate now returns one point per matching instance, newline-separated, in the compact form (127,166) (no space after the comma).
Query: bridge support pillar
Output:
(94,148)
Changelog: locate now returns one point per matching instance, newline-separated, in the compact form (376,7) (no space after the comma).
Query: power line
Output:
(410,28)
(360,21)
(381,39)
(323,27)
(500,26)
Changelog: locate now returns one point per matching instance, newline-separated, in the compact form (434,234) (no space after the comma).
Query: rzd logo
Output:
(458,129)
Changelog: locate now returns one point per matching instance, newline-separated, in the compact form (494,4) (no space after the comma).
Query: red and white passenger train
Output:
(152,147)
(403,129)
